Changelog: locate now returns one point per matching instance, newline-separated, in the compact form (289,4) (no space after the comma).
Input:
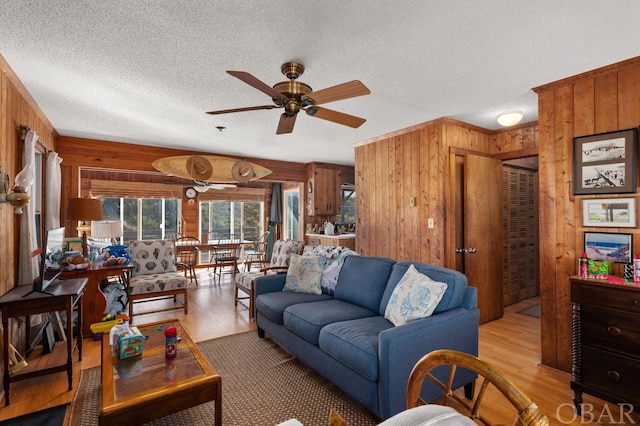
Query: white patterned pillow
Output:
(304,274)
(416,296)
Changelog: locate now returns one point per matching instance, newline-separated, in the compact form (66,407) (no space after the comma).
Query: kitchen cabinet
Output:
(344,240)
(323,190)
(605,344)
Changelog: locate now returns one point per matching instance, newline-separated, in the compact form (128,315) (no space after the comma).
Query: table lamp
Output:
(84,209)
(111,229)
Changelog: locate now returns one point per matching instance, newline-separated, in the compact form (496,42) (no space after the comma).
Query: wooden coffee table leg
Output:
(218,413)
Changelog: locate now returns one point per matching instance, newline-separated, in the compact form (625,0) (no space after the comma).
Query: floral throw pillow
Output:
(416,296)
(304,274)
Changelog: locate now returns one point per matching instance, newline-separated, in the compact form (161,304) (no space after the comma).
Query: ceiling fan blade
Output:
(226,111)
(286,123)
(258,84)
(335,116)
(341,91)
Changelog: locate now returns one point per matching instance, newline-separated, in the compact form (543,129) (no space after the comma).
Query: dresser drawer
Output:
(623,298)
(612,330)
(613,374)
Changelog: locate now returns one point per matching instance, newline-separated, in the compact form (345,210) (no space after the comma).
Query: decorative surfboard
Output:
(210,168)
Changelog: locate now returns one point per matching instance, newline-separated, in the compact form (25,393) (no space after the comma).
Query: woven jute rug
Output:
(261,385)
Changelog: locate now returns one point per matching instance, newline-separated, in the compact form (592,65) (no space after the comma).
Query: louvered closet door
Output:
(519,230)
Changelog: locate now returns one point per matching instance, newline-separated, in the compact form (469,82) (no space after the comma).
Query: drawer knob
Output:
(613,375)
(614,331)
(636,302)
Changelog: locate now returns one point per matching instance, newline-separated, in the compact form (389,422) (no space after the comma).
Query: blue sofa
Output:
(345,337)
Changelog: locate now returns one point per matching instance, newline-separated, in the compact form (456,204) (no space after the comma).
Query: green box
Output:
(599,268)
(130,343)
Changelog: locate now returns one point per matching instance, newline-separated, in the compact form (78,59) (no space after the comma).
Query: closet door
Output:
(519,229)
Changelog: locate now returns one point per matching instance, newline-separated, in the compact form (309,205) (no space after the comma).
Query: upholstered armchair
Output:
(279,262)
(155,275)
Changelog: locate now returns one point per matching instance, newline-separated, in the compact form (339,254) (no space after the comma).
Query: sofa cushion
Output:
(307,319)
(272,305)
(363,279)
(416,296)
(304,274)
(456,284)
(152,257)
(355,343)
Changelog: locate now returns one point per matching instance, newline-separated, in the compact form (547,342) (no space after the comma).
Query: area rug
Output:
(261,385)
(53,416)
(532,311)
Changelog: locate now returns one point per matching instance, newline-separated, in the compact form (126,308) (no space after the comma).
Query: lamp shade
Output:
(84,209)
(106,229)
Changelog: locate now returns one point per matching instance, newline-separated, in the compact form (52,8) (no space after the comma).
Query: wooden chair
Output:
(187,249)
(257,253)
(155,275)
(226,253)
(280,255)
(528,413)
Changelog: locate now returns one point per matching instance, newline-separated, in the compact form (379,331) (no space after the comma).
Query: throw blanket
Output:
(334,256)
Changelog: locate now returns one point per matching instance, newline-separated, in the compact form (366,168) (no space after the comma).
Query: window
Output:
(226,217)
(291,218)
(143,218)
(348,205)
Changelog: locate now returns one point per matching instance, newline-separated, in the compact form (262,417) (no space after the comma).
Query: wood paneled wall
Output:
(132,163)
(602,100)
(17,108)
(414,163)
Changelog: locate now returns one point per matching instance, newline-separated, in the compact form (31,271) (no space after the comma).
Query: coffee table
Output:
(150,386)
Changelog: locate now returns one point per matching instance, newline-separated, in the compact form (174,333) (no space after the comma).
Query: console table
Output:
(605,344)
(63,295)
(94,301)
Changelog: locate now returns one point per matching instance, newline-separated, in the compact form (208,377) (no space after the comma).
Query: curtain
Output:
(28,266)
(52,191)
(275,215)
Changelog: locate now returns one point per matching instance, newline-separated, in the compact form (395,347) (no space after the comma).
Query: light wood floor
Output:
(512,344)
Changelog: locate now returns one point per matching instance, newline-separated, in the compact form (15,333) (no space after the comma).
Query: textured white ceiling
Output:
(145,72)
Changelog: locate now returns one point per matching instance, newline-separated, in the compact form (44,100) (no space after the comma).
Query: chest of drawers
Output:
(605,346)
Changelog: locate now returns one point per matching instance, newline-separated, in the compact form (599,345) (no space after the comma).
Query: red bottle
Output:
(583,266)
(171,337)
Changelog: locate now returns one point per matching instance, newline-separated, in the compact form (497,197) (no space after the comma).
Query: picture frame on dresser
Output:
(608,246)
(605,163)
(609,212)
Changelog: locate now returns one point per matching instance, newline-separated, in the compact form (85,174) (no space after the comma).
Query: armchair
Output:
(155,275)
(279,262)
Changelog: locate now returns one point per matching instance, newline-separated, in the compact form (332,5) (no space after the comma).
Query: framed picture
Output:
(605,163)
(612,212)
(74,244)
(608,246)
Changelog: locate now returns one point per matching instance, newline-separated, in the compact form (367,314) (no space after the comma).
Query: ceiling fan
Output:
(295,96)
(205,186)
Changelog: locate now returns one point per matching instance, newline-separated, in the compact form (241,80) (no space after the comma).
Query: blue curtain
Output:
(275,215)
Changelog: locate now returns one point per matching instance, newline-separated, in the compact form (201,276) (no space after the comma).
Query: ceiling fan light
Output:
(510,118)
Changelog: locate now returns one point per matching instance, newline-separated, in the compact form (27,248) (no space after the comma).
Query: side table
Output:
(94,301)
(18,302)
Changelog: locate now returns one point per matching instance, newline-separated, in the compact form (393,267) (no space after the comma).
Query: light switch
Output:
(412,201)
(430,223)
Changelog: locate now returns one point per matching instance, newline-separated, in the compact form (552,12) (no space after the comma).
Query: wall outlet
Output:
(430,223)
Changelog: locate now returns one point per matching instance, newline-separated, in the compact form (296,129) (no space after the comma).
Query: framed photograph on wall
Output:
(608,246)
(605,163)
(611,212)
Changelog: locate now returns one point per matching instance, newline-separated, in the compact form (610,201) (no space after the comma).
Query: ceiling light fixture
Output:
(510,118)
